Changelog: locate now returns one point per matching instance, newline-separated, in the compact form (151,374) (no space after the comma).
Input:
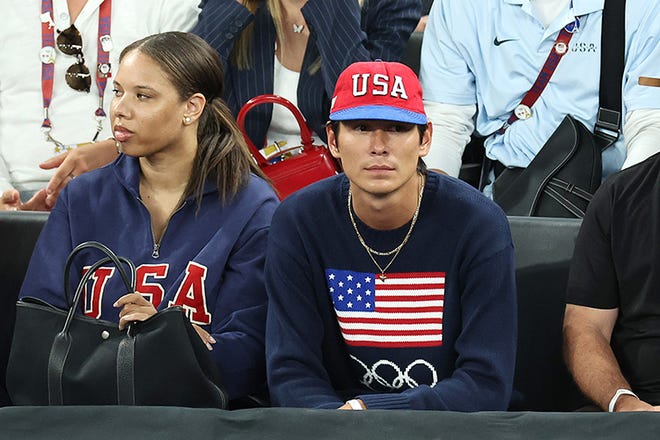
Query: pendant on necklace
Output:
(298,28)
(382,277)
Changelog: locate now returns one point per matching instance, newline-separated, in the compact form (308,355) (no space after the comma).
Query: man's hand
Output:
(75,162)
(627,403)
(134,308)
(347,406)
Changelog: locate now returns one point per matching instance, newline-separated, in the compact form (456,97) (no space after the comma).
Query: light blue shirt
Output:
(462,64)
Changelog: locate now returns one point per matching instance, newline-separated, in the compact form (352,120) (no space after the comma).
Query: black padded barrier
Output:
(108,422)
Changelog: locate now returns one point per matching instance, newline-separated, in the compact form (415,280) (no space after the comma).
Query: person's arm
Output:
(72,163)
(449,91)
(239,317)
(44,278)
(297,376)
(220,23)
(592,309)
(10,198)
(452,127)
(589,357)
(5,178)
(641,82)
(641,134)
(337,32)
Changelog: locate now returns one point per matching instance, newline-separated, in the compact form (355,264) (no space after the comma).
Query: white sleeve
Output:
(452,127)
(641,134)
(5,180)
(178,15)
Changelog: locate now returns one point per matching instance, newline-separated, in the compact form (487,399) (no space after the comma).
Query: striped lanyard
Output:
(103,47)
(559,49)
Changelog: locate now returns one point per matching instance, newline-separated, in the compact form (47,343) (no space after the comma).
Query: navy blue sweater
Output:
(439,333)
(211,262)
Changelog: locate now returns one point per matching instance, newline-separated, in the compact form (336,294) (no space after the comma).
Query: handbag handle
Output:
(305,132)
(110,257)
(62,342)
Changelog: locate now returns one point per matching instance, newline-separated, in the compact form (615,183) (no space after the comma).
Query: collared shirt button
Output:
(229,35)
(64,16)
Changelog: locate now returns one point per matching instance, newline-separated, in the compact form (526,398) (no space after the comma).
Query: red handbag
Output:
(288,172)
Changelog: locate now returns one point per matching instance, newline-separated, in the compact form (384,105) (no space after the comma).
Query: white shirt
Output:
(547,10)
(284,131)
(22,143)
(461,65)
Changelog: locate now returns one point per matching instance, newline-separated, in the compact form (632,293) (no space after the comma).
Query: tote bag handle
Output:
(62,341)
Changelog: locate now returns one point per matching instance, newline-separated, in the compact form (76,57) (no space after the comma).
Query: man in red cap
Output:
(390,286)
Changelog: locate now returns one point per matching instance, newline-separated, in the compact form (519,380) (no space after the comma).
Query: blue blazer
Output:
(340,34)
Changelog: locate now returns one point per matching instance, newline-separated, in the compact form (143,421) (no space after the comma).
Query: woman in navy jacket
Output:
(184,202)
(316,38)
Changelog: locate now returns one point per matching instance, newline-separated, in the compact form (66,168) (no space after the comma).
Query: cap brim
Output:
(379,112)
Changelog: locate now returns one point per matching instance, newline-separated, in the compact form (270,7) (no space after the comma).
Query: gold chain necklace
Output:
(371,252)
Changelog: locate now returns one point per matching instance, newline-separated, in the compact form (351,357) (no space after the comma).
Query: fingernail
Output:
(212,340)
(209,346)
(115,304)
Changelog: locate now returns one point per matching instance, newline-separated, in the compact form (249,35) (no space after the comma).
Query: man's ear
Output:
(194,107)
(332,141)
(425,145)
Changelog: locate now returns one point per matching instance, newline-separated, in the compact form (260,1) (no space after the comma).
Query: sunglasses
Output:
(77,76)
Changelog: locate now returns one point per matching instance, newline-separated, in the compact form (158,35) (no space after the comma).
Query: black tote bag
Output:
(60,357)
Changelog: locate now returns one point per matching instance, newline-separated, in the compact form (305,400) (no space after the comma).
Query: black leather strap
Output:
(563,201)
(126,371)
(612,57)
(56,361)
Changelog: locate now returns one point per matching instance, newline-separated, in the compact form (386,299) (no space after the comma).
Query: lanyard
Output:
(103,47)
(559,49)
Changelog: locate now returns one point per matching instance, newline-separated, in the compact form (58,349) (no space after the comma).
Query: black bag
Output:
(59,357)
(559,181)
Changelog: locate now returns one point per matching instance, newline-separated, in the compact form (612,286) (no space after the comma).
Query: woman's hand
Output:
(207,339)
(134,308)
(11,201)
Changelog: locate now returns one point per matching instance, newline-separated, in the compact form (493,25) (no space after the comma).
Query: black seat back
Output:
(18,233)
(413,51)
(543,251)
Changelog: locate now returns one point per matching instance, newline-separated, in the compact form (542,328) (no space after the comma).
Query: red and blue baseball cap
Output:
(378,90)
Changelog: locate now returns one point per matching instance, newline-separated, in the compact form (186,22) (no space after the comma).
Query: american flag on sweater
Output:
(405,310)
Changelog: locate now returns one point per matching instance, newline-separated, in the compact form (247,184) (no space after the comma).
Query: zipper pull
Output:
(156,252)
